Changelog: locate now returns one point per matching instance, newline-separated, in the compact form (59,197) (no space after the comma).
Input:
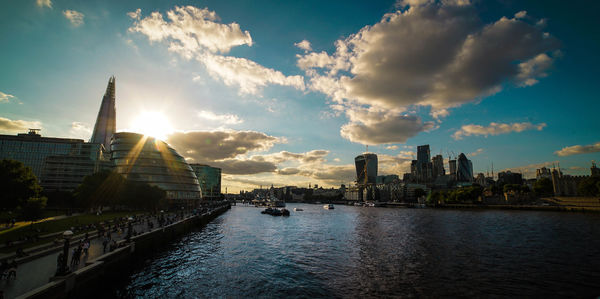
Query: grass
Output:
(53,226)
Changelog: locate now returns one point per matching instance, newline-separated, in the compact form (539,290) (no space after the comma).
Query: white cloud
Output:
(520,15)
(196,33)
(229,119)
(10,126)
(42,3)
(75,17)
(80,130)
(5,98)
(475,153)
(304,45)
(398,64)
(391,147)
(579,149)
(372,126)
(496,129)
(248,75)
(135,14)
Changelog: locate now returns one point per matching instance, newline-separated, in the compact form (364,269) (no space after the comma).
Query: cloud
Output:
(10,126)
(218,145)
(370,126)
(135,14)
(75,17)
(42,3)
(190,29)
(304,45)
(397,64)
(244,166)
(229,119)
(248,75)
(314,156)
(475,153)
(496,129)
(195,33)
(80,130)
(578,149)
(5,98)
(332,174)
(391,147)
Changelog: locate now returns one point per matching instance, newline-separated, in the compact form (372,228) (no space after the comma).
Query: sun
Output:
(152,123)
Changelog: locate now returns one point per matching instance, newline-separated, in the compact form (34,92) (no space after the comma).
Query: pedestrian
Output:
(3,269)
(86,247)
(104,244)
(12,270)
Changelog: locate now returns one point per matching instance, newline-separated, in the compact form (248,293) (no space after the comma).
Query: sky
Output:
(289,92)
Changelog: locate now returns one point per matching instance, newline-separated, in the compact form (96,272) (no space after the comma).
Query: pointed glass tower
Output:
(106,123)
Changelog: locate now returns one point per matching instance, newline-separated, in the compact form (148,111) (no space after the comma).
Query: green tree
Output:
(17,184)
(34,208)
(589,187)
(140,195)
(100,189)
(543,186)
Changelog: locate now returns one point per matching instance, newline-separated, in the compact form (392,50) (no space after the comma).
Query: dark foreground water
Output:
(369,252)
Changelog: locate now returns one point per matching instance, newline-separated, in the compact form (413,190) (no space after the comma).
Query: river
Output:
(376,252)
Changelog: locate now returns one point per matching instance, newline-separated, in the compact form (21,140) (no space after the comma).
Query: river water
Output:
(377,252)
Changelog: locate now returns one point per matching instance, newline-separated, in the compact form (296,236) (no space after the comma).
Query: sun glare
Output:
(152,123)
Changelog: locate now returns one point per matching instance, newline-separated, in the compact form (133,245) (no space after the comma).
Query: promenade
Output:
(38,271)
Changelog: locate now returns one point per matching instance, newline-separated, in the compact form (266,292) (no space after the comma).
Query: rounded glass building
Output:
(145,159)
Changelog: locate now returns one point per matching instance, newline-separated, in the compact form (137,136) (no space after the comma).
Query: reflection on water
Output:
(358,252)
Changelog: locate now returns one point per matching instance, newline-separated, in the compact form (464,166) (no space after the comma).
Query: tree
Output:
(420,192)
(100,189)
(33,208)
(589,187)
(17,184)
(141,195)
(543,186)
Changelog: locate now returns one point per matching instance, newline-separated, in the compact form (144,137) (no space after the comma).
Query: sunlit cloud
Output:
(10,126)
(496,129)
(579,149)
(229,119)
(304,45)
(75,17)
(5,98)
(44,3)
(80,130)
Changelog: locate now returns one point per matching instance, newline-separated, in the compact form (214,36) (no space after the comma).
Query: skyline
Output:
(295,104)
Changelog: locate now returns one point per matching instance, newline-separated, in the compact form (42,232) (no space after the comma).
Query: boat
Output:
(285,212)
(298,210)
(328,207)
(276,212)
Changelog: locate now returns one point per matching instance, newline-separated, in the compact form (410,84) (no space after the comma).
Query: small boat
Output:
(328,207)
(298,209)
(285,212)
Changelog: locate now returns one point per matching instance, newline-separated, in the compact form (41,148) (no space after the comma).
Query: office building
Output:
(366,169)
(464,171)
(106,123)
(144,159)
(452,167)
(508,177)
(209,179)
(438,166)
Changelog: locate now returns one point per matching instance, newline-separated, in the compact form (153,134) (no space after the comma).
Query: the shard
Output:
(106,123)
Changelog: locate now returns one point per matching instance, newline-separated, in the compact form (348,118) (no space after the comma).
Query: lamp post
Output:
(62,268)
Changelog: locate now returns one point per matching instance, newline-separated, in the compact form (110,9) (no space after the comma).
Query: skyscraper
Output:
(423,155)
(464,172)
(106,122)
(438,166)
(366,164)
(424,166)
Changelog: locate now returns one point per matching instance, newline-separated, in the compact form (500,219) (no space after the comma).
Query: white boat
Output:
(298,209)
(328,207)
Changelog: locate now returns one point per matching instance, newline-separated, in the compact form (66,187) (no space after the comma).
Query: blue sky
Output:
(289,92)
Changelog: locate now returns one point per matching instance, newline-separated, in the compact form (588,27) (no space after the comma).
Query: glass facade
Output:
(366,164)
(209,179)
(464,171)
(141,158)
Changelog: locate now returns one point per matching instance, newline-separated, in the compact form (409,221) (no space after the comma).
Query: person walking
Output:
(12,270)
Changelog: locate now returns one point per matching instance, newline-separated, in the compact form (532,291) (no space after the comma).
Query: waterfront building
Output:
(366,169)
(66,172)
(58,163)
(543,173)
(209,179)
(464,170)
(145,159)
(595,171)
(423,167)
(452,167)
(387,179)
(106,123)
(438,166)
(508,177)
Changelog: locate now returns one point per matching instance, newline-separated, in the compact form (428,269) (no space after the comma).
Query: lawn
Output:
(52,226)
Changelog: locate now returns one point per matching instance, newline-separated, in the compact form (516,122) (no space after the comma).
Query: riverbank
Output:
(80,281)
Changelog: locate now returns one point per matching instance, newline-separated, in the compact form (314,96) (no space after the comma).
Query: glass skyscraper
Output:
(366,168)
(106,123)
(209,179)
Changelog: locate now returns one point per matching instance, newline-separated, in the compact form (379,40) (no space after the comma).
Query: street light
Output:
(62,268)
